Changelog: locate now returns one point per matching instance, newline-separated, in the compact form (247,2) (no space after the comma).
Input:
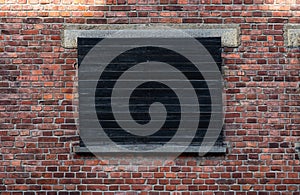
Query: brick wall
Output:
(38,124)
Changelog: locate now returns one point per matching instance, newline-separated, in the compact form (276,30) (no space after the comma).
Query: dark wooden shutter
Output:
(159,93)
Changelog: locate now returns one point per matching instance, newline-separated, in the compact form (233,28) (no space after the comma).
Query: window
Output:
(150,100)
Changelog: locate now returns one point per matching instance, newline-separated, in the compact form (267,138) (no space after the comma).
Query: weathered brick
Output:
(54,20)
(96,21)
(33,20)
(99,8)
(38,117)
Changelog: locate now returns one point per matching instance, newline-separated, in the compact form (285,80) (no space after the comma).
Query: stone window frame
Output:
(292,35)
(229,34)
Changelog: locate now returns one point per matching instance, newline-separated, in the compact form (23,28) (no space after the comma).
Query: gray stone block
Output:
(292,35)
(229,33)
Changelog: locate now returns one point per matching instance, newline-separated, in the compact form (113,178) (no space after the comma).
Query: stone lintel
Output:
(229,33)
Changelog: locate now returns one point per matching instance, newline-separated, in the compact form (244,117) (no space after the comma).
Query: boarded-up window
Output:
(144,96)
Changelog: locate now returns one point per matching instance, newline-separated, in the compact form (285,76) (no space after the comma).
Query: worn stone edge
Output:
(292,35)
(229,33)
(297,147)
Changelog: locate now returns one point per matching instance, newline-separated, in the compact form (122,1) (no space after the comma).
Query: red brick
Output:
(99,8)
(37,114)
(120,8)
(96,21)
(192,20)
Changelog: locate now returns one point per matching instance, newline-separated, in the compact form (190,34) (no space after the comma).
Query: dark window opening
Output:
(138,106)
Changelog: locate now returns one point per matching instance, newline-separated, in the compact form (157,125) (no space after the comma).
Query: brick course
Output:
(38,118)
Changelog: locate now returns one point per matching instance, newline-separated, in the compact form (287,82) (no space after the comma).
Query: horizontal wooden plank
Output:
(211,44)
(156,108)
(99,144)
(91,99)
(138,101)
(111,124)
(145,50)
(167,133)
(107,116)
(107,150)
(154,93)
(114,129)
(203,40)
(144,113)
(130,139)
(152,139)
(92,66)
(203,99)
(150,90)
(159,76)
(197,84)
(92,62)
(142,106)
